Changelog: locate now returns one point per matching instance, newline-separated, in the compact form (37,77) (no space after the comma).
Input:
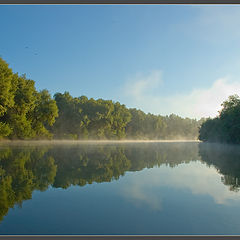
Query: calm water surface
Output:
(132,188)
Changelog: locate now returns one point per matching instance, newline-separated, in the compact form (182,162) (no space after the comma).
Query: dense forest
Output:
(26,113)
(224,128)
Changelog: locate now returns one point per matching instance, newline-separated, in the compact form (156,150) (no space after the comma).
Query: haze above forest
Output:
(26,113)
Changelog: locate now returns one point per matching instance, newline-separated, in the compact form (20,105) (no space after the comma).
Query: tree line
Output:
(26,113)
(224,128)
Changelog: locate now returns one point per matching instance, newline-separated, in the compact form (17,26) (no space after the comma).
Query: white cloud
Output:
(195,176)
(205,102)
(139,196)
(141,85)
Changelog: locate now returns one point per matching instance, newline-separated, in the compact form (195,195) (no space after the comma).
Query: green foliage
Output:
(44,114)
(149,126)
(85,118)
(225,127)
(68,121)
(5,130)
(6,87)
(25,113)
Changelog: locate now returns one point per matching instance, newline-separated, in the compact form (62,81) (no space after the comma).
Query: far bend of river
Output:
(124,188)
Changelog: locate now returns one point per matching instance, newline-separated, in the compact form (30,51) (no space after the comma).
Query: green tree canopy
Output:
(25,113)
(225,127)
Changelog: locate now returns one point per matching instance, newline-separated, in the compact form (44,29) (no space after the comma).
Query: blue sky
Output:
(163,59)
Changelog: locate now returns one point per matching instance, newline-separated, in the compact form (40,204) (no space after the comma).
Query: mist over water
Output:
(118,183)
(72,142)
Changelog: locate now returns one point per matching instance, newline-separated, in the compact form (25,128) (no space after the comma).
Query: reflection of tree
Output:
(148,155)
(101,163)
(232,182)
(23,170)
(84,164)
(226,159)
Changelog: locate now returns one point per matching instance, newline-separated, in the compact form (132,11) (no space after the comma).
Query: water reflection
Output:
(25,169)
(226,159)
(21,172)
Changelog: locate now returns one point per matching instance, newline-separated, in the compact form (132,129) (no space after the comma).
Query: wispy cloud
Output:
(143,85)
(204,102)
(140,197)
(197,177)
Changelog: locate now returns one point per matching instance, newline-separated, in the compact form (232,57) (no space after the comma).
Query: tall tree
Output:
(225,127)
(25,113)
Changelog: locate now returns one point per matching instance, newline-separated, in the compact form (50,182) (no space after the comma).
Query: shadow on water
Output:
(28,168)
